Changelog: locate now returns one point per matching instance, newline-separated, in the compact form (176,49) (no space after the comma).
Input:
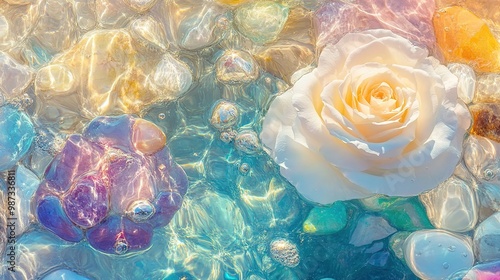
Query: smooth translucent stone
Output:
(16,23)
(119,236)
(224,115)
(171,78)
(235,67)
(113,13)
(64,274)
(4,27)
(247,141)
(284,59)
(480,157)
(451,206)
(488,88)
(148,33)
(437,254)
(111,132)
(407,214)
(202,27)
(285,252)
(55,28)
(86,202)
(484,271)
(396,244)
(147,137)
(370,228)
(488,199)
(326,220)
(85,11)
(261,21)
(17,135)
(466,81)
(166,205)
(487,239)
(26,185)
(51,215)
(408,18)
(141,6)
(14,77)
(57,79)
(140,211)
(19,2)
(233,2)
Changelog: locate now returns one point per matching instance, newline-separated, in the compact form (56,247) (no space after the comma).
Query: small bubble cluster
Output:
(285,252)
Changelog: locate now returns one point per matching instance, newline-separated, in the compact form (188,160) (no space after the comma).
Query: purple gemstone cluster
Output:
(112,185)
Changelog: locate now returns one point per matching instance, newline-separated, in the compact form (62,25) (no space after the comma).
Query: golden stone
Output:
(486,118)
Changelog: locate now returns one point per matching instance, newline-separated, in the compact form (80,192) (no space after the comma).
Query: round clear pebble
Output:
(224,115)
(55,78)
(247,141)
(427,253)
(451,206)
(481,159)
(141,211)
(235,67)
(261,21)
(171,77)
(284,252)
(148,33)
(466,81)
(487,239)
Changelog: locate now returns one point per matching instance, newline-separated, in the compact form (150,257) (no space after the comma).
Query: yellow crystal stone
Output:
(465,38)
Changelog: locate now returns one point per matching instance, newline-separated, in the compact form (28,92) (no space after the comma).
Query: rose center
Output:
(383,92)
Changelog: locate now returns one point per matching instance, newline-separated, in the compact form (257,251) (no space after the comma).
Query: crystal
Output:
(57,79)
(451,206)
(148,33)
(116,182)
(487,239)
(113,13)
(481,158)
(224,115)
(436,254)
(326,220)
(233,2)
(488,199)
(298,28)
(86,202)
(17,135)
(486,122)
(235,67)
(370,228)
(247,141)
(465,38)
(408,18)
(488,88)
(284,252)
(171,78)
(141,6)
(466,81)
(85,12)
(14,77)
(261,21)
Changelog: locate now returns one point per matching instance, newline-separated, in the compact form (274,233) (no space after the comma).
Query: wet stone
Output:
(14,77)
(451,206)
(235,67)
(437,254)
(466,81)
(488,88)
(247,141)
(370,228)
(284,252)
(486,122)
(326,220)
(487,239)
(481,158)
(261,21)
(225,115)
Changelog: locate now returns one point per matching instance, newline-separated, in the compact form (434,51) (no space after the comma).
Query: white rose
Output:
(377,116)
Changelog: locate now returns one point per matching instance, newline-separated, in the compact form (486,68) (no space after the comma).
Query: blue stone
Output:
(51,214)
(64,274)
(16,137)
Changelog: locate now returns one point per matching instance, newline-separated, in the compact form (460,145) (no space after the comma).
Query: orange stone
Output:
(147,137)
(486,118)
(465,38)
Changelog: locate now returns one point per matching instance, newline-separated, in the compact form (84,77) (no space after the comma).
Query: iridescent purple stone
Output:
(113,185)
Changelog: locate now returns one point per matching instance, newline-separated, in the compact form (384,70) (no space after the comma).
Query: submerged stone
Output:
(437,254)
(451,206)
(466,81)
(235,67)
(261,21)
(488,88)
(224,115)
(14,77)
(487,239)
(465,38)
(326,220)
(486,122)
(370,228)
(17,135)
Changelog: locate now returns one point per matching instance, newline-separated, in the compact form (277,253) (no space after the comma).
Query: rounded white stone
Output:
(451,206)
(466,81)
(487,239)
(56,78)
(171,78)
(436,254)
